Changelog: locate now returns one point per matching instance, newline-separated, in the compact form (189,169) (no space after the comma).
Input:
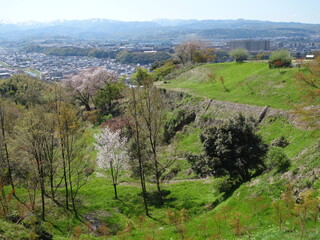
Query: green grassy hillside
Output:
(274,205)
(195,208)
(249,83)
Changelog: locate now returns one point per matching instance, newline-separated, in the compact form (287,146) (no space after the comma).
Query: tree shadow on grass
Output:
(154,198)
(131,206)
(230,186)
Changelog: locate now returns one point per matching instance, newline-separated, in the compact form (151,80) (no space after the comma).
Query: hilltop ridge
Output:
(160,29)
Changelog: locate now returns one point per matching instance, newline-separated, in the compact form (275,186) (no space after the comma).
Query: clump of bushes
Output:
(161,72)
(277,159)
(239,54)
(279,59)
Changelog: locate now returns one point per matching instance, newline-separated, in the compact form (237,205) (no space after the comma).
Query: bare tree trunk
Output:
(51,172)
(114,180)
(43,201)
(142,178)
(72,196)
(4,138)
(38,157)
(3,199)
(65,176)
(158,175)
(115,191)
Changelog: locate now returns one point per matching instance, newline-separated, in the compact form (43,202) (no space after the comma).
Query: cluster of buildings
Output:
(251,45)
(298,46)
(15,61)
(47,67)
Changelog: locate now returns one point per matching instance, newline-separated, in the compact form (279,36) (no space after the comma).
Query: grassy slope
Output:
(249,83)
(251,203)
(13,231)
(125,217)
(299,139)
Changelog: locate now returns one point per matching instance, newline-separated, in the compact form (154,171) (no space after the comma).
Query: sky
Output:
(306,11)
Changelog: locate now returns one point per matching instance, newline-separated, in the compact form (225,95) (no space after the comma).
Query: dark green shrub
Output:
(231,149)
(199,165)
(277,159)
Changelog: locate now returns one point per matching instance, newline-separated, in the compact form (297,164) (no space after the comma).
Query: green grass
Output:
(14,231)
(299,139)
(250,203)
(124,217)
(188,141)
(98,200)
(249,83)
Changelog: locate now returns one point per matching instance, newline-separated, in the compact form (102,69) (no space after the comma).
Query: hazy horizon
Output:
(152,20)
(147,10)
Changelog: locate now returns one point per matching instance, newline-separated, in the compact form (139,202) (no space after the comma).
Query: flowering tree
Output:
(280,58)
(239,54)
(112,154)
(88,83)
(195,51)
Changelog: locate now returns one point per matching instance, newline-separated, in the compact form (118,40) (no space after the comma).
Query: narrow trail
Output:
(204,180)
(137,184)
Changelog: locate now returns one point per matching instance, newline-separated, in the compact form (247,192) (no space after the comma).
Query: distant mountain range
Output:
(157,30)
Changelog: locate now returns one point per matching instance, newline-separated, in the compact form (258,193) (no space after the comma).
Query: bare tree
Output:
(9,114)
(148,118)
(151,111)
(133,116)
(194,51)
(7,118)
(31,135)
(68,132)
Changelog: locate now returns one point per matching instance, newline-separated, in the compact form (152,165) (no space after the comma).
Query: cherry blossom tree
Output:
(87,84)
(194,51)
(112,154)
